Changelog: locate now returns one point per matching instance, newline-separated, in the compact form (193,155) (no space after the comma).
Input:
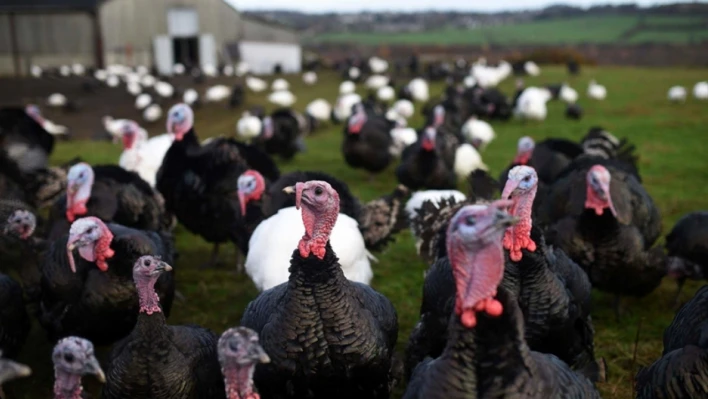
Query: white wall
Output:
(262,57)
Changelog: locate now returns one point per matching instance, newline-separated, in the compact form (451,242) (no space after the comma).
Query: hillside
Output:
(622,29)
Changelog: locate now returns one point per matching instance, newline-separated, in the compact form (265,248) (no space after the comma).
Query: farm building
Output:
(159,33)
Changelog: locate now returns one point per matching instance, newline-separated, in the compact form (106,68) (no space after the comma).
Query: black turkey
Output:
(282,134)
(430,161)
(110,193)
(604,219)
(367,140)
(14,322)
(74,357)
(94,296)
(200,183)
(20,250)
(326,336)
(157,361)
(682,371)
(687,248)
(24,139)
(486,354)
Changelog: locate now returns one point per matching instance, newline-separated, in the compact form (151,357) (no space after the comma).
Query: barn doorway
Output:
(186,51)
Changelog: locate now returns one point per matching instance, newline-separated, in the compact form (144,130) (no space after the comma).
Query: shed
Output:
(159,33)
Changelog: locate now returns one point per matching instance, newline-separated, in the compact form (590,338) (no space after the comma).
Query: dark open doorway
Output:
(186,50)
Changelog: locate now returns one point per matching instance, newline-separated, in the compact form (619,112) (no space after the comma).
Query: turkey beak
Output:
(163,267)
(504,220)
(509,188)
(259,354)
(298,194)
(74,242)
(93,367)
(606,194)
(242,201)
(14,370)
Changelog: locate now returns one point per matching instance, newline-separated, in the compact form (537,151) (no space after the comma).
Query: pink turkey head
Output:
(357,120)
(475,251)
(598,196)
(132,134)
(428,139)
(521,189)
(180,120)
(320,207)
(251,186)
(73,358)
(21,223)
(93,239)
(35,113)
(78,190)
(438,116)
(524,150)
(146,270)
(239,352)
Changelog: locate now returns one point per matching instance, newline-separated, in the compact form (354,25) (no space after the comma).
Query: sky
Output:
(418,5)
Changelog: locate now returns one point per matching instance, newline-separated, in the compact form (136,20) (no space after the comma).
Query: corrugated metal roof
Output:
(47,5)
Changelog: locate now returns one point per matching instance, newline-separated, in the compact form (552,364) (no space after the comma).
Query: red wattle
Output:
(468,318)
(427,145)
(523,158)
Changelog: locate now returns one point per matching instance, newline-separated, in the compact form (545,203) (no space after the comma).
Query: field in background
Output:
(620,29)
(670,139)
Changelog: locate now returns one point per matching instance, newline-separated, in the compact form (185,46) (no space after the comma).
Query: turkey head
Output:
(239,353)
(73,357)
(521,189)
(474,246)
(21,223)
(251,186)
(180,120)
(78,190)
(598,191)
(93,239)
(320,207)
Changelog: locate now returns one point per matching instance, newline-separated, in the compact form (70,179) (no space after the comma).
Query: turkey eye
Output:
(527,178)
(233,346)
(318,191)
(470,220)
(146,262)
(69,358)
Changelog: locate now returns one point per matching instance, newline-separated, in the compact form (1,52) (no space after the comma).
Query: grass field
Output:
(670,138)
(584,29)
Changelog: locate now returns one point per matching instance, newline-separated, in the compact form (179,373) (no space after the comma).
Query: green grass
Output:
(575,30)
(670,138)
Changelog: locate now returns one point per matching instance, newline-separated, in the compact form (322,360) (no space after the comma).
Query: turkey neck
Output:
(460,352)
(151,319)
(67,385)
(239,381)
(314,272)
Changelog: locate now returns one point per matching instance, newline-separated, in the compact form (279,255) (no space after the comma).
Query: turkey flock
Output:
(89,252)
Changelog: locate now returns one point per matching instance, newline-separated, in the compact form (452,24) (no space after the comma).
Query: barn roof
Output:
(48,5)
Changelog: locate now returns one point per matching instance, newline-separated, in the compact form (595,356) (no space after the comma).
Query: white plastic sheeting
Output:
(262,57)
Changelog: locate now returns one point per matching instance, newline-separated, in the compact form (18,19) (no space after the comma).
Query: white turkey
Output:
(78,69)
(190,97)
(531,68)
(309,78)
(141,154)
(419,89)
(469,81)
(217,93)
(467,159)
(319,109)
(677,93)
(142,101)
(280,84)
(65,70)
(700,91)
(134,88)
(178,69)
(152,113)
(531,104)
(101,75)
(378,65)
(347,87)
(164,89)
(386,94)
(57,100)
(248,127)
(567,94)
(36,71)
(228,70)
(596,91)
(210,70)
(142,70)
(242,68)
(148,81)
(354,73)
(396,118)
(112,81)
(271,247)
(478,132)
(402,137)
(375,82)
(404,108)
(256,85)
(282,98)
(343,107)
